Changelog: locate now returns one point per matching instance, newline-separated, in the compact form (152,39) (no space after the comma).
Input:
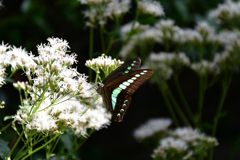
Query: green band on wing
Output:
(122,86)
(126,83)
(113,105)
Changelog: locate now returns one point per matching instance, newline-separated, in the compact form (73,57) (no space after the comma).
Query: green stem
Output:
(41,146)
(15,145)
(102,40)
(200,102)
(5,127)
(90,52)
(133,25)
(167,102)
(219,109)
(178,109)
(183,99)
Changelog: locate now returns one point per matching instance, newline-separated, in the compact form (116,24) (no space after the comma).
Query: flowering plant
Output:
(56,98)
(57,101)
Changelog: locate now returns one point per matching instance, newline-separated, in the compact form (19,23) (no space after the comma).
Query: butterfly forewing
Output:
(130,82)
(123,69)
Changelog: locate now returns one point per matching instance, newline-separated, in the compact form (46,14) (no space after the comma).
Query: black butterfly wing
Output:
(120,89)
(123,69)
(121,104)
(133,80)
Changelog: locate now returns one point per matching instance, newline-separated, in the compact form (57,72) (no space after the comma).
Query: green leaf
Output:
(67,141)
(4,149)
(8,117)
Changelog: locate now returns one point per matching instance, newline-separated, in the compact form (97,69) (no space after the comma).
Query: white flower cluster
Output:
(59,97)
(68,113)
(116,8)
(151,127)
(150,7)
(181,143)
(184,143)
(98,2)
(165,64)
(205,67)
(165,31)
(204,28)
(101,10)
(229,37)
(193,137)
(228,11)
(142,39)
(128,28)
(17,58)
(105,63)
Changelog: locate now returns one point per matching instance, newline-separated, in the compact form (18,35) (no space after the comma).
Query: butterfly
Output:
(119,85)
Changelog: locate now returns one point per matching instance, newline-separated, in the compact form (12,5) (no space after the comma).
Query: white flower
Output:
(69,112)
(105,63)
(98,2)
(169,147)
(116,8)
(164,64)
(150,7)
(127,28)
(193,137)
(228,37)
(228,10)
(205,67)
(168,23)
(172,143)
(207,31)
(141,39)
(1,5)
(3,47)
(151,127)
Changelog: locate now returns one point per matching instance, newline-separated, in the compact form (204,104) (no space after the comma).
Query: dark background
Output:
(27,23)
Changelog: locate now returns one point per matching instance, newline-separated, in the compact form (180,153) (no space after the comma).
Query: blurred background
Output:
(28,23)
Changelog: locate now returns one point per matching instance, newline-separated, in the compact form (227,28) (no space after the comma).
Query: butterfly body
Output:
(117,88)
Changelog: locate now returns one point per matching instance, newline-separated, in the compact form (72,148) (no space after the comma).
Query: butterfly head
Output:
(99,88)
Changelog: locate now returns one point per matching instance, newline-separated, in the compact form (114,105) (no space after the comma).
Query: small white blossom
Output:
(193,137)
(4,48)
(150,7)
(164,64)
(127,28)
(207,32)
(169,147)
(226,11)
(149,35)
(71,113)
(151,127)
(116,8)
(205,67)
(168,23)
(228,37)
(105,63)
(172,143)
(98,2)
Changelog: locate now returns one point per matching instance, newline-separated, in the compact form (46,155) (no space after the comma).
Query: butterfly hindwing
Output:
(123,69)
(118,105)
